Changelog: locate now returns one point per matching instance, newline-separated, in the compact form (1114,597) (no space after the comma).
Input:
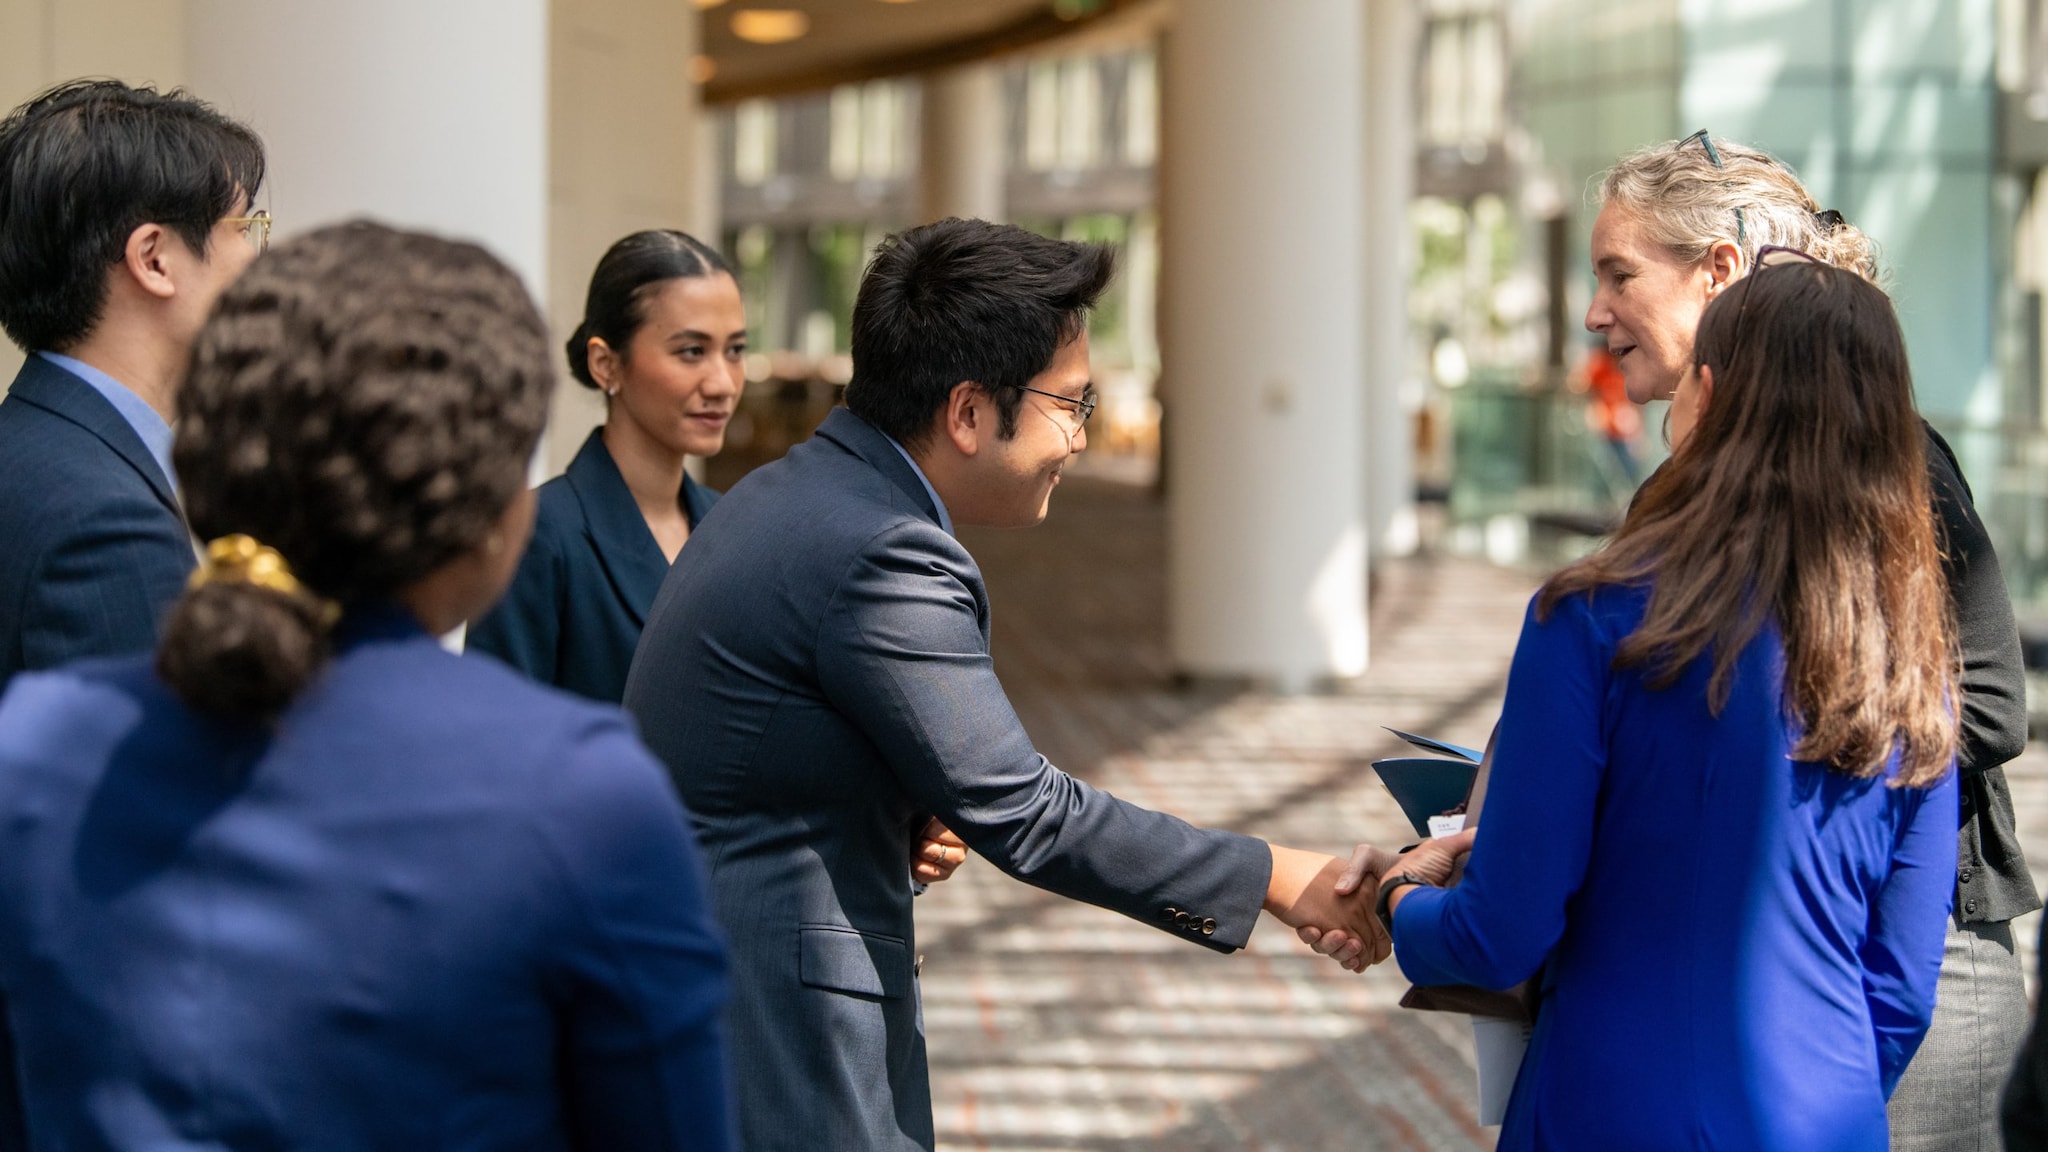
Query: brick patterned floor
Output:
(1057,1026)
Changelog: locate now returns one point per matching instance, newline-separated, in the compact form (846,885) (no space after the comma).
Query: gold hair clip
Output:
(242,559)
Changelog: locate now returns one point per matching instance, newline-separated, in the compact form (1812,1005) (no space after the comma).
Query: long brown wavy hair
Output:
(1801,497)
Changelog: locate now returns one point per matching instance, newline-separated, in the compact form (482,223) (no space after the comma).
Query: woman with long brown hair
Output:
(1723,803)
(1681,223)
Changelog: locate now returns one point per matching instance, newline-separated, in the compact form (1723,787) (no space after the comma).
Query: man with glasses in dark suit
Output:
(816,673)
(123,214)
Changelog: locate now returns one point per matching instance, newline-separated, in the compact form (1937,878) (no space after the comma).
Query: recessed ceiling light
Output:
(770,25)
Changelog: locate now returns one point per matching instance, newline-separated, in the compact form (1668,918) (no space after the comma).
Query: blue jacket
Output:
(437,906)
(95,547)
(816,673)
(573,614)
(1738,949)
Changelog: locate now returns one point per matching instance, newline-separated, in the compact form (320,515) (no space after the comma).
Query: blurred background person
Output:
(123,213)
(1680,223)
(307,879)
(1722,808)
(1609,413)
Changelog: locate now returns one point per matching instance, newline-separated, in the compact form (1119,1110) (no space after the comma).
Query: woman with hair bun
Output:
(663,334)
(305,879)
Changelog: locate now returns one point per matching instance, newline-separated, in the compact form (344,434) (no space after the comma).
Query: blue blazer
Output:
(437,906)
(95,546)
(573,614)
(1738,949)
(816,674)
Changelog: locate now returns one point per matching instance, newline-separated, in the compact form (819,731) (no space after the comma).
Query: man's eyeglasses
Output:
(1083,408)
(1083,405)
(255,230)
(1706,142)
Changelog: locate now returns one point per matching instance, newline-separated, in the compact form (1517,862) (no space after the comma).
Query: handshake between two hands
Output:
(1330,902)
(1327,901)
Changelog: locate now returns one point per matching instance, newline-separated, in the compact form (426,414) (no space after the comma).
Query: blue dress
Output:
(1738,950)
(438,907)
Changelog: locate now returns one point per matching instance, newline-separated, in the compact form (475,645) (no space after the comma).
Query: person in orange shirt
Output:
(1608,411)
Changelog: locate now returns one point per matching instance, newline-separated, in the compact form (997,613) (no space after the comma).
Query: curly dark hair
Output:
(364,401)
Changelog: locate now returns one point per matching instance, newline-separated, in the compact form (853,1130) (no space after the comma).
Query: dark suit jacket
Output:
(438,906)
(816,673)
(573,614)
(1993,882)
(95,548)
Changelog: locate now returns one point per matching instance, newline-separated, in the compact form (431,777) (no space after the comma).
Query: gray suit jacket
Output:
(816,673)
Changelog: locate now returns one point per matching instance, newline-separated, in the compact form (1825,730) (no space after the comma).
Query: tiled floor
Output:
(1058,1026)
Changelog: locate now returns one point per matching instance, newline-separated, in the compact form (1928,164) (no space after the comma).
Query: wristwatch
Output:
(1380,906)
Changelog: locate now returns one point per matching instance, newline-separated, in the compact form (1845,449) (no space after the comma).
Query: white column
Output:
(1263,205)
(624,134)
(1393,37)
(960,159)
(428,114)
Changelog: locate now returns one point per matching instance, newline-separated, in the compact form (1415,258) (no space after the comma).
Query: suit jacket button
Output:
(1969,906)
(1963,876)
(1180,919)
(1208,925)
(1167,914)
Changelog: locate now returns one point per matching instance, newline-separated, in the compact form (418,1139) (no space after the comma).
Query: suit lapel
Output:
(624,544)
(46,386)
(864,440)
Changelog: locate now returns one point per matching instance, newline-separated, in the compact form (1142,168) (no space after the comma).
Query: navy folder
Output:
(1426,786)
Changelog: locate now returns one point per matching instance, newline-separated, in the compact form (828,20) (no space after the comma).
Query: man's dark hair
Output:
(84,165)
(965,300)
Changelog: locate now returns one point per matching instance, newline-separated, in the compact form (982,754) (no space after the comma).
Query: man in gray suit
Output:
(816,673)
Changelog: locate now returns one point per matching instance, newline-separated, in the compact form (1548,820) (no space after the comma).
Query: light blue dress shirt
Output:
(945,518)
(154,431)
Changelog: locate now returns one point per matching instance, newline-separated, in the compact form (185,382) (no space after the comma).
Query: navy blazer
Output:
(436,906)
(816,673)
(573,614)
(95,546)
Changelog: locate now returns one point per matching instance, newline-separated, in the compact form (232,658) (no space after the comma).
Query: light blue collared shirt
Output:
(945,518)
(148,424)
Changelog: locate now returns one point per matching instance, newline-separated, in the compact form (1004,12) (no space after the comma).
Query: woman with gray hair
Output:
(1679,223)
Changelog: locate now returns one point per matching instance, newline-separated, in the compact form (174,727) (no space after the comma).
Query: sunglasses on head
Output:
(1714,157)
(1768,256)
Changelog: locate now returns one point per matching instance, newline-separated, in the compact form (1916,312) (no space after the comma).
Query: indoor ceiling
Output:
(849,40)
